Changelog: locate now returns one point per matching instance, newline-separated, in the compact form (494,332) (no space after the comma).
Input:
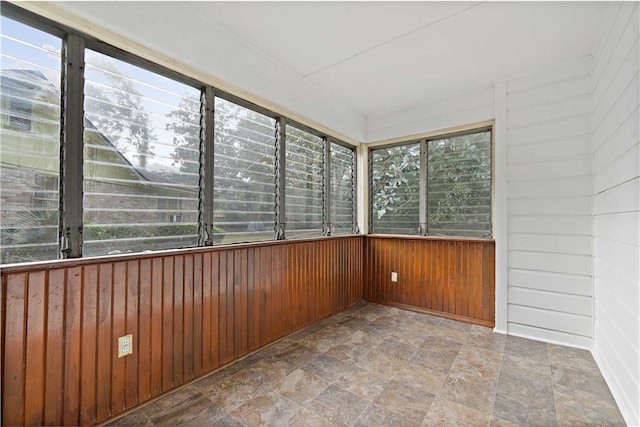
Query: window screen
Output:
(140,159)
(244,174)
(341,203)
(304,176)
(30,149)
(395,189)
(459,185)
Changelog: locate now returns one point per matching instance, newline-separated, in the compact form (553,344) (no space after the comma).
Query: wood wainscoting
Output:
(190,312)
(449,277)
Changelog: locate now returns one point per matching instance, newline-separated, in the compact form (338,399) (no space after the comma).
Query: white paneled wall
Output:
(616,208)
(547,175)
(472,107)
(549,205)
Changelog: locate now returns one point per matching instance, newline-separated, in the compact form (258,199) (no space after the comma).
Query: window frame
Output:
(328,190)
(423,227)
(76,43)
(324,160)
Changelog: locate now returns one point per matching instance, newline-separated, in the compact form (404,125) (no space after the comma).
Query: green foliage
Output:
(102,232)
(458,187)
(395,189)
(184,123)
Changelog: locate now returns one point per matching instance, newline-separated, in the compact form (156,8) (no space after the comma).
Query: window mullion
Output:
(281,147)
(423,228)
(371,190)
(354,191)
(71,147)
(326,188)
(207,134)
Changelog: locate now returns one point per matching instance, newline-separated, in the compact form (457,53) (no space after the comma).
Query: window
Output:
(304,184)
(165,161)
(20,112)
(459,185)
(30,149)
(395,189)
(244,174)
(141,157)
(342,189)
(450,195)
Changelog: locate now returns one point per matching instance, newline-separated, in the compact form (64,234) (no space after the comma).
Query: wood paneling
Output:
(453,278)
(190,312)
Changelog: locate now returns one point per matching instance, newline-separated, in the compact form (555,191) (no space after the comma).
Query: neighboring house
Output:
(29,165)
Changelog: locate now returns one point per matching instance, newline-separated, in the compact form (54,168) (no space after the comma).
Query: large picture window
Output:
(438,187)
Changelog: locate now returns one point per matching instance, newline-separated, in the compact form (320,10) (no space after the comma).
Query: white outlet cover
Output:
(394,276)
(125,345)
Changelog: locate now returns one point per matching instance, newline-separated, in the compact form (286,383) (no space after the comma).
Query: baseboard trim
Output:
(451,316)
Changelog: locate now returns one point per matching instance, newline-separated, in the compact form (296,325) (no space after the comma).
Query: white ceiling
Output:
(370,57)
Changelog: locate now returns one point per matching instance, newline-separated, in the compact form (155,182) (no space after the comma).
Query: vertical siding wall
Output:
(189,312)
(549,205)
(616,208)
(448,277)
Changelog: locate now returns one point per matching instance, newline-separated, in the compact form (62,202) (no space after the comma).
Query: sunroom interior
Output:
(192,190)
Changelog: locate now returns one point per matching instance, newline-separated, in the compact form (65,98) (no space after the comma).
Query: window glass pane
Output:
(342,190)
(395,190)
(305,173)
(244,174)
(30,148)
(459,186)
(141,159)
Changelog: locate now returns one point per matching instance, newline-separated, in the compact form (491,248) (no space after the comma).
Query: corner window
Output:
(437,187)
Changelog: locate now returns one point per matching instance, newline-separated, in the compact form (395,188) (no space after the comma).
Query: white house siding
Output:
(549,295)
(616,208)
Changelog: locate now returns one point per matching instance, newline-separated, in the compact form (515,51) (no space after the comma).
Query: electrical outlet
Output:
(394,276)
(125,345)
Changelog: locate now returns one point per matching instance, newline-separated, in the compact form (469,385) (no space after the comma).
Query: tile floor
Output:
(373,365)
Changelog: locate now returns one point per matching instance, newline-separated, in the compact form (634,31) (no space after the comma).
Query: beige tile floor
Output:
(373,365)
